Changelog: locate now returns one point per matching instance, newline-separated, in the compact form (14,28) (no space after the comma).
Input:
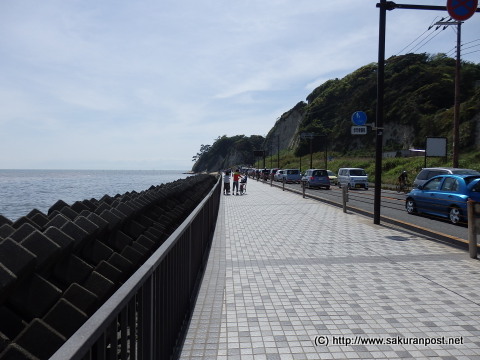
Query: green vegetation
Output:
(419,97)
(418,103)
(227,151)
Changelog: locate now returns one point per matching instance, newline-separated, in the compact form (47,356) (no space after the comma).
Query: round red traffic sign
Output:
(461,9)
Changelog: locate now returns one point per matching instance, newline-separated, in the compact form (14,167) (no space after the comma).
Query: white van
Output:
(353,178)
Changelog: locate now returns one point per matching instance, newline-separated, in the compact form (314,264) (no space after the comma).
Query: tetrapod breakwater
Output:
(57,269)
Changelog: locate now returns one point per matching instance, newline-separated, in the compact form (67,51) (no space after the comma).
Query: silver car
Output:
(427,173)
(292,175)
(278,175)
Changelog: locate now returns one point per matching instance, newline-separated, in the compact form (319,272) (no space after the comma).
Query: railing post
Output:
(344,197)
(283,185)
(472,228)
(303,189)
(146,339)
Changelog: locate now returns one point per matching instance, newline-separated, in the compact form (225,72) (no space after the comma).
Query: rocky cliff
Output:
(418,100)
(284,134)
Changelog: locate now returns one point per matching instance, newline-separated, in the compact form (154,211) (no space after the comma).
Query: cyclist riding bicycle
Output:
(403,177)
(402,182)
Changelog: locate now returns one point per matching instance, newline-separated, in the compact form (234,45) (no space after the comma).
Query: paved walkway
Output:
(292,278)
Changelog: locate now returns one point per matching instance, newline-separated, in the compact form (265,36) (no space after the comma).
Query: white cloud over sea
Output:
(142,84)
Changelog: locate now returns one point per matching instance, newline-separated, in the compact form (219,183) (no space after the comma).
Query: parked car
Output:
(427,173)
(445,196)
(353,178)
(292,175)
(264,174)
(272,173)
(333,177)
(278,175)
(316,178)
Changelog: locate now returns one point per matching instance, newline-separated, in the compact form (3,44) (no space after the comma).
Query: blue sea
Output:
(21,191)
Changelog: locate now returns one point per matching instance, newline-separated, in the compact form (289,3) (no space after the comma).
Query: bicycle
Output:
(402,186)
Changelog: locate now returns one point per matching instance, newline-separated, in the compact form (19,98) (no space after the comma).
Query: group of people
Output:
(237,178)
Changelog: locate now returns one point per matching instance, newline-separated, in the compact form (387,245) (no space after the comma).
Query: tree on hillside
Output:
(203,150)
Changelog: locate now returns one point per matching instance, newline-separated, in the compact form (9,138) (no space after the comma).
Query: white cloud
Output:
(119,84)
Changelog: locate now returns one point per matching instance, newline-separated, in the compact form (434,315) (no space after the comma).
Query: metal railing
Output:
(145,317)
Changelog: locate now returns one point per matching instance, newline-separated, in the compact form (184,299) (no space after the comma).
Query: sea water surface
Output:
(21,191)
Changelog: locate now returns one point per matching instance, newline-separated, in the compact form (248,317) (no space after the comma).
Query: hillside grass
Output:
(391,167)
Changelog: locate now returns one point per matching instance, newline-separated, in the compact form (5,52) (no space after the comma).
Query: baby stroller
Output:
(243,185)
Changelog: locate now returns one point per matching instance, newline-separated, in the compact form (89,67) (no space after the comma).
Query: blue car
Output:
(445,196)
(316,178)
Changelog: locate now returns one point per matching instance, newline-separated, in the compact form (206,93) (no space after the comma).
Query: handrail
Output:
(158,294)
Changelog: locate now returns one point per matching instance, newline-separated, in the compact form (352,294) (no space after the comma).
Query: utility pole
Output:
(326,157)
(278,151)
(309,136)
(456,109)
(311,153)
(271,156)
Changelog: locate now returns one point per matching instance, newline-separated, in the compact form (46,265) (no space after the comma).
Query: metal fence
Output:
(145,318)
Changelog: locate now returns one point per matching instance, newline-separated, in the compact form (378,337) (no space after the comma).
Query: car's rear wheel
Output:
(410,206)
(454,215)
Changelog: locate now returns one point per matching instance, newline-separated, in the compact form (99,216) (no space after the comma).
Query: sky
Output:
(141,85)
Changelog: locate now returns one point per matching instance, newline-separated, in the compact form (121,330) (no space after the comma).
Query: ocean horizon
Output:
(22,190)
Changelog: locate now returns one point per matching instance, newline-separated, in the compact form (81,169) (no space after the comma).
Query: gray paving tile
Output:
(284,271)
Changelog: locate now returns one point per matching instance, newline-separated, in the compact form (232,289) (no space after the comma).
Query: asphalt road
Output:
(392,211)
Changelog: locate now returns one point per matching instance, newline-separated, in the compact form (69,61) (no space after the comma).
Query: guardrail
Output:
(144,319)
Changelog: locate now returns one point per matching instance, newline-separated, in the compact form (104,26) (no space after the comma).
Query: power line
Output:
(412,42)
(418,37)
(424,38)
(471,42)
(470,47)
(419,46)
(471,52)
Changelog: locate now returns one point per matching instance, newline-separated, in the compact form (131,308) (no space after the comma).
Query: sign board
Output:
(359,130)
(436,146)
(359,118)
(306,135)
(461,9)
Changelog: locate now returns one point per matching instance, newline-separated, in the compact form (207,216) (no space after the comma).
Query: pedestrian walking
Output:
(226,182)
(236,179)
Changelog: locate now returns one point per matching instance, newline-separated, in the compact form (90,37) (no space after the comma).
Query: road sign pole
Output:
(311,154)
(456,111)
(379,118)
